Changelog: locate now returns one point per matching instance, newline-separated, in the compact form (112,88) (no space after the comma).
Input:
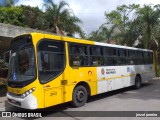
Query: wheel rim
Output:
(80,95)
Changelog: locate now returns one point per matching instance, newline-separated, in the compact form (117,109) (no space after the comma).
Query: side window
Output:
(51,59)
(110,56)
(150,58)
(78,55)
(139,56)
(146,58)
(96,56)
(131,57)
(122,57)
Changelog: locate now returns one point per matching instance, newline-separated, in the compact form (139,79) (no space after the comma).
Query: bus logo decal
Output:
(102,71)
(89,72)
(110,71)
(128,69)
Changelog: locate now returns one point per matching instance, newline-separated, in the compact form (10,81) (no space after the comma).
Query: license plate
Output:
(13,101)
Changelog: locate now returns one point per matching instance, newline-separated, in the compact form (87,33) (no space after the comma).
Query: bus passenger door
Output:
(52,96)
(54,91)
(52,67)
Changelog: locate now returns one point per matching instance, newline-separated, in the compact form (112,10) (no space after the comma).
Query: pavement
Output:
(3,101)
(4,105)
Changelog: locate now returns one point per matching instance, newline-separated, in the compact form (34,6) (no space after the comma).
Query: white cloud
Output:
(33,3)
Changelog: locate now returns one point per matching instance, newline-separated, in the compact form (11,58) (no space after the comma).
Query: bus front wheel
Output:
(137,82)
(79,97)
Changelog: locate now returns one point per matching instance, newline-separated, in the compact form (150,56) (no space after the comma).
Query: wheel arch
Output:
(139,75)
(86,85)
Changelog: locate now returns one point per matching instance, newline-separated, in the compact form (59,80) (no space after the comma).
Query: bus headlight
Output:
(25,94)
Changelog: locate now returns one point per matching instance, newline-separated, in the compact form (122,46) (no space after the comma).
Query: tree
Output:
(149,20)
(120,18)
(132,34)
(105,33)
(61,18)
(117,19)
(95,36)
(34,17)
(12,15)
(25,16)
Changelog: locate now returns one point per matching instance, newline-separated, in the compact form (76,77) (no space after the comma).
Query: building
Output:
(7,32)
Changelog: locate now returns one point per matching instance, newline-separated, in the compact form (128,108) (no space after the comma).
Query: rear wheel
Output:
(79,96)
(137,82)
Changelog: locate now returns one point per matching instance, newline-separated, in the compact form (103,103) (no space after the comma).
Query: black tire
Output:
(79,96)
(137,82)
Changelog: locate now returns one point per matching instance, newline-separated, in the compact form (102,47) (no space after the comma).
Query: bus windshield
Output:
(22,65)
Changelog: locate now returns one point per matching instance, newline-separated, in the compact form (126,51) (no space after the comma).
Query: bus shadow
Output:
(146,92)
(118,92)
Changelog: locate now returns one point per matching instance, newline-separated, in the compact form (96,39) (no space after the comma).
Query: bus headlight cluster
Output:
(25,94)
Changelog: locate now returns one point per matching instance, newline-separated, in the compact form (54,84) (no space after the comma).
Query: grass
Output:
(158,71)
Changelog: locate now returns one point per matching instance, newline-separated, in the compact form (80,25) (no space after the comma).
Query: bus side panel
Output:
(84,74)
(93,87)
(149,73)
(53,96)
(68,92)
(145,71)
(112,77)
(115,77)
(55,90)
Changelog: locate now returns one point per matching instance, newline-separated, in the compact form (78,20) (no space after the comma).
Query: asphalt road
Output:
(147,98)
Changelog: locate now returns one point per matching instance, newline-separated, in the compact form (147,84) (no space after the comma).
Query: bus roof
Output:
(120,46)
(78,40)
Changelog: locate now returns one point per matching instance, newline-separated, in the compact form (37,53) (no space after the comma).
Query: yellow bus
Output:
(46,70)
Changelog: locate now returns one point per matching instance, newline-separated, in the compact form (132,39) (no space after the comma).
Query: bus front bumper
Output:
(29,102)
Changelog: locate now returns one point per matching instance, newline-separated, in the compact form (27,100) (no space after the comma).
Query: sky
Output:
(91,12)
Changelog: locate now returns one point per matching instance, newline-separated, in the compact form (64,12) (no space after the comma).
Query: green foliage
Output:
(62,19)
(12,15)
(105,33)
(34,18)
(149,21)
(143,26)
(96,36)
(119,26)
(26,16)
(120,19)
(158,71)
